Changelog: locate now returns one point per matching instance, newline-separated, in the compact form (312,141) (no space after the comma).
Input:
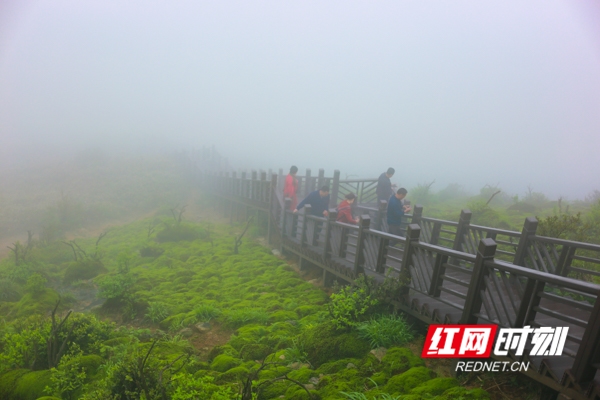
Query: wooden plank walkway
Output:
(454,272)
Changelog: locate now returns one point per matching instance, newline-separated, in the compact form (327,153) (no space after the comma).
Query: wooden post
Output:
(363,225)
(307,182)
(381,255)
(436,277)
(381,214)
(304,224)
(331,217)
(280,179)
(417,214)
(321,179)
(253,191)
(435,232)
(413,232)
(335,189)
(287,203)
(462,229)
(263,186)
(529,301)
(588,354)
(243,185)
(565,259)
(271,194)
(529,229)
(485,252)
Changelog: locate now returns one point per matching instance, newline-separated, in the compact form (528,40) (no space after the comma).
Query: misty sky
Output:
(496,92)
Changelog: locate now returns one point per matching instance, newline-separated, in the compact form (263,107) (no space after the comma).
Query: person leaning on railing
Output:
(395,212)
(345,210)
(318,200)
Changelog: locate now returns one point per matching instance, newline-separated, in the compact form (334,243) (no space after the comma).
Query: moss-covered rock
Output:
(403,383)
(348,380)
(273,372)
(272,390)
(32,384)
(398,360)
(303,375)
(224,362)
(234,374)
(462,393)
(8,382)
(435,386)
(333,367)
(295,392)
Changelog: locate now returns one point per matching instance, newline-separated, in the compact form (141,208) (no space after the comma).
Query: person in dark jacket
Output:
(395,212)
(319,202)
(384,185)
(345,210)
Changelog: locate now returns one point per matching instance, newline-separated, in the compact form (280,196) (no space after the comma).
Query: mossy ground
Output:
(255,303)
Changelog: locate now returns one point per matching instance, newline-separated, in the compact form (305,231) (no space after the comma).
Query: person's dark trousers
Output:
(395,230)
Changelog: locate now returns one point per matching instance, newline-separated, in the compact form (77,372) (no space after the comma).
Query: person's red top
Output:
(289,190)
(345,213)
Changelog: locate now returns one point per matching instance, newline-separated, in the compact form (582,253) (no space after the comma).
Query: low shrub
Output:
(385,331)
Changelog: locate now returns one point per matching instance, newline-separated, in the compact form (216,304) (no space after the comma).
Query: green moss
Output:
(224,362)
(179,232)
(8,382)
(38,303)
(323,343)
(303,375)
(272,390)
(303,311)
(255,351)
(31,385)
(282,315)
(273,372)
(295,392)
(124,340)
(380,378)
(462,393)
(435,386)
(83,270)
(347,381)
(335,366)
(398,360)
(90,364)
(410,379)
(234,374)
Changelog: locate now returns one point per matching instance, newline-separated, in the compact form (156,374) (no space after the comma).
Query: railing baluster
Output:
(328,227)
(363,225)
(413,232)
(485,252)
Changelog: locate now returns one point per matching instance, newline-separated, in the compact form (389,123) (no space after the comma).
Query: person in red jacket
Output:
(291,186)
(345,210)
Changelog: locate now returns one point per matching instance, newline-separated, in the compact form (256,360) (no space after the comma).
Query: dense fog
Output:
(503,93)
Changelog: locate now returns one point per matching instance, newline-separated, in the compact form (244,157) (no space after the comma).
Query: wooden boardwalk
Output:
(451,272)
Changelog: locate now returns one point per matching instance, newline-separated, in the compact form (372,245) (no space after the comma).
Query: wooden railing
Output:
(450,272)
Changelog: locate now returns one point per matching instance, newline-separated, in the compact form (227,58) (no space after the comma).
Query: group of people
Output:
(319,201)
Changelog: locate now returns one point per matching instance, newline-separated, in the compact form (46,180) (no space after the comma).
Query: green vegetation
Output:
(277,334)
(493,207)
